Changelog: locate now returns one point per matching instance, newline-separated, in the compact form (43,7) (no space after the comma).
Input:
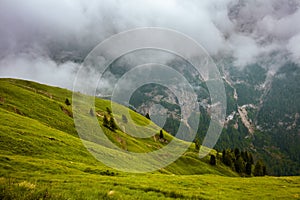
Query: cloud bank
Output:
(46,40)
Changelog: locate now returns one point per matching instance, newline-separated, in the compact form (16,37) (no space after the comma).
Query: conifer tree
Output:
(108,110)
(161,135)
(67,102)
(197,144)
(212,160)
(239,165)
(258,170)
(105,121)
(248,169)
(236,152)
(147,116)
(112,124)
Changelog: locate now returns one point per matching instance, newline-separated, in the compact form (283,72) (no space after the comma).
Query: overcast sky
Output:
(39,40)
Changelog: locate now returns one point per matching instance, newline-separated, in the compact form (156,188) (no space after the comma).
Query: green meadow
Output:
(42,157)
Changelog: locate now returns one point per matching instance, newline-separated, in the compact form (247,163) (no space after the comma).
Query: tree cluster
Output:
(109,121)
(243,163)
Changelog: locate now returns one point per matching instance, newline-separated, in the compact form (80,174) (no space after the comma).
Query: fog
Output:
(45,41)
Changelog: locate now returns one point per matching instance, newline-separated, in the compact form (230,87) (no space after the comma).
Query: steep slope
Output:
(37,124)
(279,121)
(266,120)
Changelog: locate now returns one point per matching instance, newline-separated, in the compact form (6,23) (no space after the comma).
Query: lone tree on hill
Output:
(147,116)
(67,102)
(161,134)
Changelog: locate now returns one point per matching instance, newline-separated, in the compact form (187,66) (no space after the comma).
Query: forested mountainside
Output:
(262,108)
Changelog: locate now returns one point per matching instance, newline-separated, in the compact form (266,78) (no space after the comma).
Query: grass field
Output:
(42,157)
(147,186)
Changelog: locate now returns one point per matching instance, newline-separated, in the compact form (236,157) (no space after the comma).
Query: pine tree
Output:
(112,124)
(229,159)
(212,160)
(244,156)
(223,156)
(108,110)
(147,116)
(236,152)
(239,165)
(258,170)
(105,121)
(251,160)
(197,144)
(67,102)
(248,169)
(264,170)
(161,135)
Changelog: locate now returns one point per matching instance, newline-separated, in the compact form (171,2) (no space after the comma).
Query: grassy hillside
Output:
(42,157)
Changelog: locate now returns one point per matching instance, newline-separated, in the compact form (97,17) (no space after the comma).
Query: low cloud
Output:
(45,40)
(40,69)
(294,47)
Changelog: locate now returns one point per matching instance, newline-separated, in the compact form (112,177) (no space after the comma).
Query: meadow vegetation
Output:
(42,156)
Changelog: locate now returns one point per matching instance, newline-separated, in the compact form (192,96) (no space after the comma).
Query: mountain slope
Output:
(36,122)
(41,157)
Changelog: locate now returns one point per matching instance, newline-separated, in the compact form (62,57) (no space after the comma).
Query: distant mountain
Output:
(262,109)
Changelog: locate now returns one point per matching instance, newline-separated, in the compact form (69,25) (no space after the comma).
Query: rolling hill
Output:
(42,157)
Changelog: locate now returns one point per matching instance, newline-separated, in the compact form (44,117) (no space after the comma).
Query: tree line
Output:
(243,163)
